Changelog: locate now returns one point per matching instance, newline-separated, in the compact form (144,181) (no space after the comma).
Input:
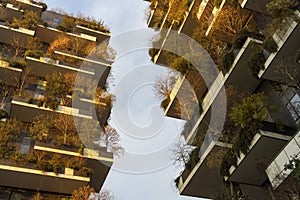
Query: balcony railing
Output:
(10,12)
(237,71)
(250,168)
(287,39)
(276,170)
(208,180)
(44,66)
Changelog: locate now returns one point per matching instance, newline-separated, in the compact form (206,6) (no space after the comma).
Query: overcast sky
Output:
(147,171)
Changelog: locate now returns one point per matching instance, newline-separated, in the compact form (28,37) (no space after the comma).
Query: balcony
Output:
(237,72)
(9,12)
(97,160)
(48,35)
(87,153)
(92,63)
(23,111)
(44,66)
(214,15)
(30,5)
(12,176)
(250,167)
(255,5)
(189,23)
(275,171)
(287,40)
(9,75)
(150,22)
(203,181)
(22,35)
(99,35)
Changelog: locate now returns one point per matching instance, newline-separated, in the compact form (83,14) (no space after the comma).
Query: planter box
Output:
(10,12)
(204,181)
(251,167)
(40,181)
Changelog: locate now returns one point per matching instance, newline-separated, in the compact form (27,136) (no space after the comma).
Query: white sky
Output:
(146,172)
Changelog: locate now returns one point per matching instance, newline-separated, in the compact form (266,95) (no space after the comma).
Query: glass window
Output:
(294,107)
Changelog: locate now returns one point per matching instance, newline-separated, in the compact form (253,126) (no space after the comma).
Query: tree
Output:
(288,72)
(65,131)
(34,44)
(15,47)
(250,111)
(282,8)
(9,132)
(163,87)
(103,105)
(294,164)
(6,91)
(30,20)
(80,46)
(62,42)
(101,96)
(104,195)
(3,14)
(89,132)
(82,193)
(110,139)
(68,23)
(174,9)
(37,196)
(24,80)
(58,87)
(86,192)
(76,45)
(180,153)
(230,22)
(40,128)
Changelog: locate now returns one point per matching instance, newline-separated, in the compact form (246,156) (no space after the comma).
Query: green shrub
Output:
(35,54)
(80,150)
(227,59)
(31,159)
(45,24)
(3,4)
(62,28)
(44,5)
(3,114)
(45,166)
(153,52)
(15,25)
(228,160)
(86,172)
(240,39)
(6,23)
(217,3)
(282,8)
(164,104)
(193,159)
(29,100)
(256,62)
(270,45)
(21,64)
(53,105)
(39,103)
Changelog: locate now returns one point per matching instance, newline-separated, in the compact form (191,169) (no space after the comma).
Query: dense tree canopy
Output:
(9,132)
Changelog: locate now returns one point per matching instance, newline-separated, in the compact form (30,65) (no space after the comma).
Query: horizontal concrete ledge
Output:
(39,172)
(71,153)
(48,109)
(81,58)
(92,30)
(61,66)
